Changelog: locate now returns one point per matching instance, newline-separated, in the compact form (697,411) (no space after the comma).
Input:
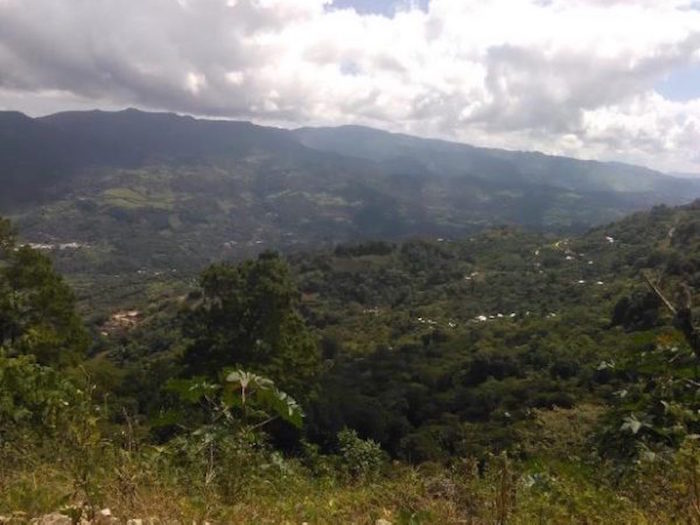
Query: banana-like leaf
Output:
(263,394)
(192,390)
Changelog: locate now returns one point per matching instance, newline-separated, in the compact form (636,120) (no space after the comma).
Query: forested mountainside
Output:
(442,347)
(156,192)
(532,377)
(435,340)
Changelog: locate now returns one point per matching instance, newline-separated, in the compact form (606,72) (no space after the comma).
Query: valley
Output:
(354,262)
(129,194)
(418,333)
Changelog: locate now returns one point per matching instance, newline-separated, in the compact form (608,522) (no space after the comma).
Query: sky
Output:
(602,79)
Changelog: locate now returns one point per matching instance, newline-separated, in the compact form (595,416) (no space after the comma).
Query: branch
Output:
(659,294)
(263,423)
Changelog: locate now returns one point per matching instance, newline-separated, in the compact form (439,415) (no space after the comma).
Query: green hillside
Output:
(216,321)
(153,193)
(524,376)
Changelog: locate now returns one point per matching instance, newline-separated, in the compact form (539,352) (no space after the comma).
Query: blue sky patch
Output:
(378,7)
(682,84)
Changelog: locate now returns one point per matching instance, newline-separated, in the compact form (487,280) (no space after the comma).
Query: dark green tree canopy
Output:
(248,318)
(37,308)
(7,236)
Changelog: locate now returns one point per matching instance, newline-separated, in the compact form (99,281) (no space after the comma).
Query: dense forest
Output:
(128,196)
(506,377)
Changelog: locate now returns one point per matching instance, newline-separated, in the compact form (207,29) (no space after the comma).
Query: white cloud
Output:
(195,82)
(574,77)
(235,77)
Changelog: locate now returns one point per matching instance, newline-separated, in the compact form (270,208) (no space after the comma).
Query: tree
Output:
(7,236)
(248,318)
(37,308)
(660,406)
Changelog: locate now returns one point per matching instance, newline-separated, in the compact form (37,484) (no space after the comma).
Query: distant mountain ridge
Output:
(452,158)
(132,138)
(682,175)
(47,149)
(161,190)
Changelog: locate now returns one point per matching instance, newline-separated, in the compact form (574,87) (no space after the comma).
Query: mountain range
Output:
(137,190)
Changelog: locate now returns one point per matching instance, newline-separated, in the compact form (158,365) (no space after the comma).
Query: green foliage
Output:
(251,389)
(34,400)
(659,406)
(42,410)
(637,312)
(362,459)
(227,452)
(217,465)
(84,446)
(500,413)
(242,399)
(7,236)
(248,318)
(37,308)
(443,348)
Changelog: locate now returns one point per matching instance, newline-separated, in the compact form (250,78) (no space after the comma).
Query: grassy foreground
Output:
(265,488)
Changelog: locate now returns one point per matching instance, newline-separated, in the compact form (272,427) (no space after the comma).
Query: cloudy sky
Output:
(605,79)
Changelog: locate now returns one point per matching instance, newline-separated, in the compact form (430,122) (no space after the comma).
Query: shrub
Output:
(361,458)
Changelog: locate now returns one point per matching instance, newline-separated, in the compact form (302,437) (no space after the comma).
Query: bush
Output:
(361,458)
